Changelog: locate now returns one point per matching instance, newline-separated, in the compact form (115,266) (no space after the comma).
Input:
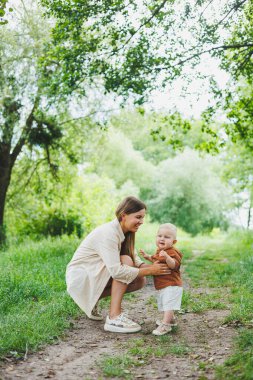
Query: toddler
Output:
(169,289)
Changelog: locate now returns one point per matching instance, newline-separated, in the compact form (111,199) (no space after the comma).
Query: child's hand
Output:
(143,254)
(163,254)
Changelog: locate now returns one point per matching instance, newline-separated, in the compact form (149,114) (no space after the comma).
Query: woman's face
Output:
(131,222)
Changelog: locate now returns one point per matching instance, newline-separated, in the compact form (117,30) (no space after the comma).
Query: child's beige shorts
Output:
(169,298)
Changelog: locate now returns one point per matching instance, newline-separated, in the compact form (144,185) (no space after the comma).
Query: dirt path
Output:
(75,356)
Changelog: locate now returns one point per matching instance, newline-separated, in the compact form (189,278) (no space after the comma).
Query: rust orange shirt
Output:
(173,279)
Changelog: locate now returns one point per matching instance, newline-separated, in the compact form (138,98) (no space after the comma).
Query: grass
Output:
(35,308)
(197,303)
(34,305)
(227,264)
(224,263)
(240,365)
(139,352)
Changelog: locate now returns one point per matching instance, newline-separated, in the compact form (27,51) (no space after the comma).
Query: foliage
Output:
(127,44)
(238,62)
(3,10)
(239,113)
(237,171)
(116,158)
(186,192)
(236,99)
(64,206)
(156,135)
(32,124)
(24,119)
(135,55)
(137,126)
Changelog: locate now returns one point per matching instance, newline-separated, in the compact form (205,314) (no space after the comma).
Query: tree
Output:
(30,122)
(73,204)
(115,157)
(133,47)
(237,172)
(236,99)
(25,121)
(187,192)
(155,134)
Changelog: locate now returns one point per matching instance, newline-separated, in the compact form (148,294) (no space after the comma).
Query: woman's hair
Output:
(129,205)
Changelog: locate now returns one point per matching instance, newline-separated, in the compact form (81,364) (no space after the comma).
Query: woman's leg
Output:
(118,289)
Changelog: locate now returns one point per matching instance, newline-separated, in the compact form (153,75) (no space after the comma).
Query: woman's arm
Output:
(153,270)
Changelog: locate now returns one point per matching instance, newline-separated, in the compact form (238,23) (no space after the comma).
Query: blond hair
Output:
(129,205)
(171,227)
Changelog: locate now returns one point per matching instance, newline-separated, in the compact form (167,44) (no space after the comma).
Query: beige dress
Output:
(94,262)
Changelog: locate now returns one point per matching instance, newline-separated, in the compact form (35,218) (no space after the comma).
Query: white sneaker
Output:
(121,324)
(95,314)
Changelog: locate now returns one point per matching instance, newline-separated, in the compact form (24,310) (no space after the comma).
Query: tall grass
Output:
(34,305)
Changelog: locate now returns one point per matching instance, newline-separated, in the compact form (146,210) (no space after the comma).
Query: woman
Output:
(105,264)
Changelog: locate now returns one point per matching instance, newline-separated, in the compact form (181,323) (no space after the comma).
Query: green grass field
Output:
(34,305)
(35,308)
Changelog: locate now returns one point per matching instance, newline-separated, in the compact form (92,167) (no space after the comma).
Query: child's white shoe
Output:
(173,322)
(162,329)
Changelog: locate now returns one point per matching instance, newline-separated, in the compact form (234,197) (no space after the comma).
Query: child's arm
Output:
(169,260)
(145,256)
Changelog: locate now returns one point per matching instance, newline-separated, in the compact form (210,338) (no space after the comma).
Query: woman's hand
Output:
(159,269)
(153,270)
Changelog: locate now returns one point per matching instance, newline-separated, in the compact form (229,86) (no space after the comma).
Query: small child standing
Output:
(169,287)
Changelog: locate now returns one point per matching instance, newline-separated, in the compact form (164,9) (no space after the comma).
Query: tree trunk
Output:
(8,158)
(5,177)
(249,216)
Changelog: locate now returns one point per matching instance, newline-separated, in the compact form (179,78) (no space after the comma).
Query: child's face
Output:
(164,238)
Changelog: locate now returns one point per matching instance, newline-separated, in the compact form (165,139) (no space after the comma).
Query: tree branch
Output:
(29,121)
(29,178)
(224,47)
(141,26)
(87,116)
(243,62)
(234,8)
(201,14)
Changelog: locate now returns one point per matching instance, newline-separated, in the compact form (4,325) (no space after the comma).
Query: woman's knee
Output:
(142,282)
(124,259)
(137,284)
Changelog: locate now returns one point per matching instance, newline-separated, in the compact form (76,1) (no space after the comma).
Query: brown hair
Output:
(129,205)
